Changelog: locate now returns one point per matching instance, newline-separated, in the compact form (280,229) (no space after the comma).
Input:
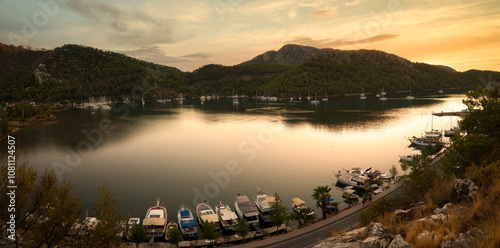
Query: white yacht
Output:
(207,214)
(155,221)
(264,201)
(228,218)
(246,210)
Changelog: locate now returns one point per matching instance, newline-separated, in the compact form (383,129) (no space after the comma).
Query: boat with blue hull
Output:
(187,223)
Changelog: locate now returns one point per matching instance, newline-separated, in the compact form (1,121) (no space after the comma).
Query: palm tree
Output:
(322,195)
(335,206)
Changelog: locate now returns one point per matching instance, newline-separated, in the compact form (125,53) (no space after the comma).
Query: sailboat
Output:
(315,101)
(362,96)
(433,131)
(453,129)
(410,97)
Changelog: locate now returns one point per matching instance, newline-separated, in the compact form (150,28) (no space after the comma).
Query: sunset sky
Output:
(188,34)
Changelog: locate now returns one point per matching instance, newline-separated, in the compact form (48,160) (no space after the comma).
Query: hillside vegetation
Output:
(74,72)
(446,214)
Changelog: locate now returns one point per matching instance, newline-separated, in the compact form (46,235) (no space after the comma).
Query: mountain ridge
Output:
(73,72)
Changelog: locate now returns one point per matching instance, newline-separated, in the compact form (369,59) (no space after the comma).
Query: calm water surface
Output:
(186,153)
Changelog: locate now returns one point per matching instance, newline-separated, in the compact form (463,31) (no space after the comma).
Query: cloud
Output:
(157,55)
(327,43)
(110,15)
(153,54)
(352,3)
(325,13)
(197,56)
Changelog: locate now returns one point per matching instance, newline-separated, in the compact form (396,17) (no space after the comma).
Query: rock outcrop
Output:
(463,189)
(372,236)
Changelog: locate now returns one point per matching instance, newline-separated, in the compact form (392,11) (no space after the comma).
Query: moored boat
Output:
(130,223)
(451,132)
(206,214)
(155,221)
(171,225)
(298,204)
(187,223)
(352,178)
(246,210)
(228,218)
(263,201)
(406,158)
(350,193)
(426,140)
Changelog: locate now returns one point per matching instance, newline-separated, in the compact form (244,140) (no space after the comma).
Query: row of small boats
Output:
(223,217)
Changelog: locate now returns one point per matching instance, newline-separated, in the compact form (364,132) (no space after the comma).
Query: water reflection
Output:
(172,151)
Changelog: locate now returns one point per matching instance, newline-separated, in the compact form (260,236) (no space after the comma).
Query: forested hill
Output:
(74,72)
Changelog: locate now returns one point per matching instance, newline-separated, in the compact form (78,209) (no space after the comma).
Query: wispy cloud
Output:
(352,3)
(108,14)
(196,56)
(327,43)
(153,54)
(325,13)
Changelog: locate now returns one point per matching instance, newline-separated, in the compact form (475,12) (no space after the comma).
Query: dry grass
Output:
(439,194)
(416,228)
(495,189)
(491,236)
(478,209)
(454,223)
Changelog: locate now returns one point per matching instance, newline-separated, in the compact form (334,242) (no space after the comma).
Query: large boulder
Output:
(443,209)
(399,242)
(374,235)
(376,229)
(465,240)
(463,189)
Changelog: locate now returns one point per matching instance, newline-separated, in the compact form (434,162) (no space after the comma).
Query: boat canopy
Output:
(210,218)
(227,214)
(156,213)
(185,213)
(265,201)
(153,222)
(349,191)
(298,201)
(246,207)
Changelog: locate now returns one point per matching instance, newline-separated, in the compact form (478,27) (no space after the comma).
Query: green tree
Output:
(138,234)
(46,209)
(279,213)
(481,123)
(111,220)
(302,215)
(404,166)
(322,195)
(243,229)
(174,236)
(421,178)
(209,231)
(335,206)
(393,171)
